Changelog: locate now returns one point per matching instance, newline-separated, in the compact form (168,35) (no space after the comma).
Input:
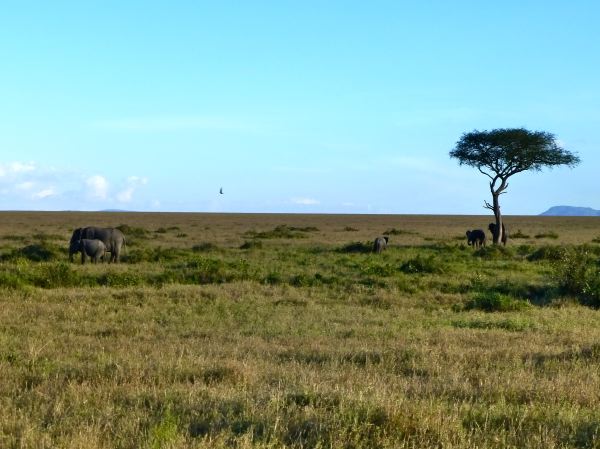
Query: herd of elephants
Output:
(94,242)
(476,237)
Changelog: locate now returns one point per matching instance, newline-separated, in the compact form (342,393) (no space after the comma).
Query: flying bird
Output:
(221,190)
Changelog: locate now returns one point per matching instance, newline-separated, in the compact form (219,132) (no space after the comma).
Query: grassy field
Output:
(272,331)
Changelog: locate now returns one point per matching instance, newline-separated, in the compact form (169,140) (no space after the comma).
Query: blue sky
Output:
(337,107)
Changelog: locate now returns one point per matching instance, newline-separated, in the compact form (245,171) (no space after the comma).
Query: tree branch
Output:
(488,205)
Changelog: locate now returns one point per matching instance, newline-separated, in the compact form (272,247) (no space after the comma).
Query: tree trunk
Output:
(496,203)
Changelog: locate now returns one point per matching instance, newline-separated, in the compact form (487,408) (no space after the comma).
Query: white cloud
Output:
(305,201)
(98,187)
(12,169)
(126,195)
(45,193)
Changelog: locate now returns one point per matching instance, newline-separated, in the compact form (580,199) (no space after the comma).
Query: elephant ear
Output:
(387,239)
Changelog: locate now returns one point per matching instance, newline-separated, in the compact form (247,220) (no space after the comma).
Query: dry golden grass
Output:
(371,357)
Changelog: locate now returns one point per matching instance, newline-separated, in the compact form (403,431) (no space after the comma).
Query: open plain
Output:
(272,331)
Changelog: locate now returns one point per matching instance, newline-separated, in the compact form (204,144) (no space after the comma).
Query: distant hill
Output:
(571,211)
(114,210)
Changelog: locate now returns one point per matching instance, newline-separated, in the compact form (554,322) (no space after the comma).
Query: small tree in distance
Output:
(502,153)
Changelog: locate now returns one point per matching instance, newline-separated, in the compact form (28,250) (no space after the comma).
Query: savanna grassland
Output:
(272,331)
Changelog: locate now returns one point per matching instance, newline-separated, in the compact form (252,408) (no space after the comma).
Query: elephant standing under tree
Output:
(94,249)
(380,244)
(492,228)
(476,237)
(112,238)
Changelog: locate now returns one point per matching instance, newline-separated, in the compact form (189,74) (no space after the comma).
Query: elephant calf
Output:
(492,228)
(476,237)
(380,244)
(95,249)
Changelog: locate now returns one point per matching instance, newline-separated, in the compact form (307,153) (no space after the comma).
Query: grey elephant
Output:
(94,249)
(380,244)
(113,240)
(492,228)
(476,237)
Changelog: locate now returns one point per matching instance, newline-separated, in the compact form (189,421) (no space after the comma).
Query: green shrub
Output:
(546,235)
(252,244)
(547,252)
(519,235)
(577,273)
(357,247)
(132,231)
(394,231)
(375,269)
(205,246)
(55,275)
(38,252)
(493,252)
(495,302)
(124,279)
(422,264)
(282,232)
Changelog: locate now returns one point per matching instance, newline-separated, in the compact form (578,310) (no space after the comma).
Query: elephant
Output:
(112,238)
(476,237)
(380,244)
(492,228)
(95,249)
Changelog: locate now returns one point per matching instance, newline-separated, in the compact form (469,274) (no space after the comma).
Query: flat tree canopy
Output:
(501,153)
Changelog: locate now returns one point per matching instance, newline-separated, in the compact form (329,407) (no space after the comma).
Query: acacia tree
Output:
(502,153)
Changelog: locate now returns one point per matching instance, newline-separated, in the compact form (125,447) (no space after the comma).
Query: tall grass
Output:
(227,338)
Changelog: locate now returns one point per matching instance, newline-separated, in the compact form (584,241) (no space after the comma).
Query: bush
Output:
(421,264)
(577,273)
(357,247)
(547,252)
(547,235)
(394,231)
(492,252)
(251,244)
(495,302)
(55,276)
(38,252)
(132,231)
(205,246)
(282,232)
(519,235)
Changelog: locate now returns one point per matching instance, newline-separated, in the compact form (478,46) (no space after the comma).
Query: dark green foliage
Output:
(577,273)
(357,247)
(125,279)
(282,232)
(505,152)
(495,252)
(394,231)
(546,235)
(251,244)
(519,235)
(38,252)
(423,264)
(495,302)
(204,247)
(509,324)
(547,252)
(132,231)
